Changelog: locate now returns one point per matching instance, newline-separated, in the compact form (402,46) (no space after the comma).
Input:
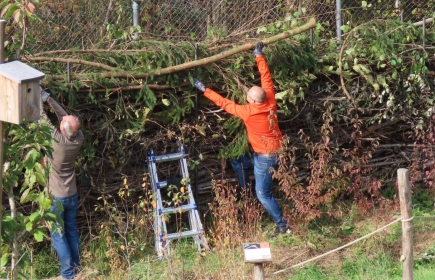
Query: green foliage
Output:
(23,174)
(374,76)
(239,145)
(17,14)
(380,52)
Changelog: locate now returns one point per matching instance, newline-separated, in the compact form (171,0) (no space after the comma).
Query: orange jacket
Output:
(261,119)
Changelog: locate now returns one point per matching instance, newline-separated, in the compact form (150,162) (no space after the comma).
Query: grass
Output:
(117,252)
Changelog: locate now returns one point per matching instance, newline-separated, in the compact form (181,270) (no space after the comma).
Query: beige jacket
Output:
(62,178)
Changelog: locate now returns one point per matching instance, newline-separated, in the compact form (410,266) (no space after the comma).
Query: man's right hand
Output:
(44,95)
(199,85)
(258,49)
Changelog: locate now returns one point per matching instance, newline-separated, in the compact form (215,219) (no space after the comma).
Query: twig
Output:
(66,60)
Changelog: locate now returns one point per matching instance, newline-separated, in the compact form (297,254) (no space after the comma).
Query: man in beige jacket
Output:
(68,139)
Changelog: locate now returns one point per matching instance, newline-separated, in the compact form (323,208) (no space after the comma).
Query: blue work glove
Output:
(199,85)
(258,49)
(44,95)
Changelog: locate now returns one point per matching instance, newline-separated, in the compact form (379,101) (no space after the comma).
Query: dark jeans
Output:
(65,239)
(263,181)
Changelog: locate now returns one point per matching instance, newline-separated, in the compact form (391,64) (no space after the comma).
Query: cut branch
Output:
(207,60)
(66,60)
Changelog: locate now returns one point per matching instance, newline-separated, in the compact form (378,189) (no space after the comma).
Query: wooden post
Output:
(258,271)
(2,60)
(407,227)
(257,253)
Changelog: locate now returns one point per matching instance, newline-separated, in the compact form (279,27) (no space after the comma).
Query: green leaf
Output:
(381,80)
(39,168)
(118,34)
(2,4)
(39,235)
(34,216)
(29,226)
(47,203)
(345,28)
(24,195)
(40,178)
(10,10)
(8,223)
(369,79)
(261,29)
(51,217)
(4,260)
(31,180)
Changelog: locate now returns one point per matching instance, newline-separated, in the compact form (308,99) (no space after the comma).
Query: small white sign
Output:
(257,252)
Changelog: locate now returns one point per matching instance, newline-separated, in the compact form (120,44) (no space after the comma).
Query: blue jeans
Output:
(263,181)
(65,239)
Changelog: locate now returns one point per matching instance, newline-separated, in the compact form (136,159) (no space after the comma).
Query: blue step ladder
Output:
(161,214)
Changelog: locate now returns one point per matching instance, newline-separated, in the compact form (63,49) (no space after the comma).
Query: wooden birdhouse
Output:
(20,97)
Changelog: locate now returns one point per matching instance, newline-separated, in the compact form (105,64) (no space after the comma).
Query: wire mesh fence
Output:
(87,24)
(76,24)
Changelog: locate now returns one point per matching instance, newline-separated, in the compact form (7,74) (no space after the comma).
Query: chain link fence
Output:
(88,24)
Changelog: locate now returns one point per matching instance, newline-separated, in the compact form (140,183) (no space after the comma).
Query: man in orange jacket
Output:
(264,135)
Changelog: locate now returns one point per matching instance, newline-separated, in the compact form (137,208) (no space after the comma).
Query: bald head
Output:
(70,125)
(256,95)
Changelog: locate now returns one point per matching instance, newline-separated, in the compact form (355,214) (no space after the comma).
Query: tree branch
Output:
(204,61)
(66,60)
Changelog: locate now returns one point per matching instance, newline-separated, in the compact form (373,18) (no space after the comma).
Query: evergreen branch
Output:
(203,61)
(138,87)
(66,60)
(56,52)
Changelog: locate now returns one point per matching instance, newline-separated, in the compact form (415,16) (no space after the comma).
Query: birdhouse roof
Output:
(20,72)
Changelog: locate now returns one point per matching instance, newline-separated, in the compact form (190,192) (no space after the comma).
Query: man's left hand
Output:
(258,49)
(199,85)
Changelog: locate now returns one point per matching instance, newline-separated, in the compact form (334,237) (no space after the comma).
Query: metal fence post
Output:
(311,36)
(399,10)
(338,20)
(135,7)
(424,34)
(2,150)
(196,192)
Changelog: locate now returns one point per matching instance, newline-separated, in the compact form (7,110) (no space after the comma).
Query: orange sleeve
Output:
(240,111)
(266,77)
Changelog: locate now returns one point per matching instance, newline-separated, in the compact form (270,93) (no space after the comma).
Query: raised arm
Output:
(263,68)
(266,77)
(226,104)
(60,112)
(44,118)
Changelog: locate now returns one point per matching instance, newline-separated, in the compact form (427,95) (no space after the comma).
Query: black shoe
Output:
(282,230)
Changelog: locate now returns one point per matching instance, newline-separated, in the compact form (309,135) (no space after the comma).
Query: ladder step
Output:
(161,184)
(183,208)
(168,157)
(182,234)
